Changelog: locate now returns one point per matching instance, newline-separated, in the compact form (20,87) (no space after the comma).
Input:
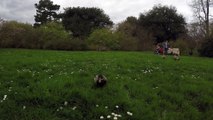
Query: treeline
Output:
(80,28)
(90,29)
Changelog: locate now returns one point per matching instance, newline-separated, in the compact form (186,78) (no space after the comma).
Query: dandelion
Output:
(101,117)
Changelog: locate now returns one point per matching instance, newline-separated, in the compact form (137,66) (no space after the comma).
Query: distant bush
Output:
(16,35)
(103,39)
(126,42)
(187,46)
(206,48)
(53,36)
(48,36)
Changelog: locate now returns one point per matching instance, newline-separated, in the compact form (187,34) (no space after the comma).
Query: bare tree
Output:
(1,22)
(201,10)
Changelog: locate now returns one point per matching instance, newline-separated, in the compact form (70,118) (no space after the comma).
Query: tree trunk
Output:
(207,18)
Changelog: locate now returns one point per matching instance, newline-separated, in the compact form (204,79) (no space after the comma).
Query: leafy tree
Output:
(81,21)
(46,12)
(126,42)
(128,34)
(129,26)
(16,35)
(103,39)
(53,36)
(163,22)
(138,37)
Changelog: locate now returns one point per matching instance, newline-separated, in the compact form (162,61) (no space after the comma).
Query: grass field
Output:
(59,85)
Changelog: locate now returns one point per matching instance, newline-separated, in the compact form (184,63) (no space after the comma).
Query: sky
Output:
(118,10)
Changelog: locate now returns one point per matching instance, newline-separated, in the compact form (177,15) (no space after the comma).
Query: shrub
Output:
(103,39)
(53,36)
(126,42)
(16,35)
(187,45)
(207,48)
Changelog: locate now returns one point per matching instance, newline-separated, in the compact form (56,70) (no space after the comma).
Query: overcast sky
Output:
(118,10)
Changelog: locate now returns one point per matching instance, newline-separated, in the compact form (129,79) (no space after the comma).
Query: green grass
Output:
(38,83)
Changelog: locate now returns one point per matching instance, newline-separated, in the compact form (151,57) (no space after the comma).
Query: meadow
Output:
(59,85)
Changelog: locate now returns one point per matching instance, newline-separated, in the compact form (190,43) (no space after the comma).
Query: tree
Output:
(163,22)
(129,26)
(128,30)
(16,35)
(1,22)
(202,13)
(206,48)
(53,36)
(81,21)
(202,10)
(103,39)
(46,12)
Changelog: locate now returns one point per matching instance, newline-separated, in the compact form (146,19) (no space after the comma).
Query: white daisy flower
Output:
(65,103)
(101,117)
(5,96)
(117,106)
(108,116)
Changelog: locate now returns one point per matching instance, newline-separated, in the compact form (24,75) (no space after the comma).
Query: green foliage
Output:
(103,39)
(126,41)
(187,46)
(38,83)
(136,37)
(46,12)
(81,21)
(16,35)
(53,36)
(163,22)
(48,36)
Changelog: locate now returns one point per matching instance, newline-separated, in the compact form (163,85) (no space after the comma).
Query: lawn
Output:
(59,85)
